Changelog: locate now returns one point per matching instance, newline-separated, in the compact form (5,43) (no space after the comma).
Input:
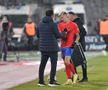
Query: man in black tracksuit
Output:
(82,34)
(6,34)
(47,32)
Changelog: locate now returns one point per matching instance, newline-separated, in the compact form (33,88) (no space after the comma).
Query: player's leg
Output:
(67,70)
(69,66)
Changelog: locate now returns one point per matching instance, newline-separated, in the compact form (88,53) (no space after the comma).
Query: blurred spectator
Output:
(0,23)
(56,18)
(0,37)
(96,28)
(6,35)
(30,32)
(104,31)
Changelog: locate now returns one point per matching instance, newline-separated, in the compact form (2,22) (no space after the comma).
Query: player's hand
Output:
(64,34)
(77,42)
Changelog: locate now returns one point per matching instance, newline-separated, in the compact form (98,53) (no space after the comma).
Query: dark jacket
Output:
(7,30)
(48,33)
(82,32)
(81,28)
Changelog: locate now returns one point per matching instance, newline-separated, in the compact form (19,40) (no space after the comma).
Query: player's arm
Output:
(58,33)
(76,29)
(77,39)
(62,32)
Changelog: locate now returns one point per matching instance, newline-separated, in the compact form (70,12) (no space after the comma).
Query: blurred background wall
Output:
(95,9)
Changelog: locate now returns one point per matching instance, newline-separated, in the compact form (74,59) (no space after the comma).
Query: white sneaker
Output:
(68,82)
(75,77)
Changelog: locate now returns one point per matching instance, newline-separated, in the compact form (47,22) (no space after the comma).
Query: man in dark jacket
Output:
(6,35)
(82,34)
(30,32)
(48,33)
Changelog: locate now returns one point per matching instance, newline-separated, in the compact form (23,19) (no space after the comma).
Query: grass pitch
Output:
(97,75)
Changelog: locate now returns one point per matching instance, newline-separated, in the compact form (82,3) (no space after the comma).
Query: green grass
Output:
(97,73)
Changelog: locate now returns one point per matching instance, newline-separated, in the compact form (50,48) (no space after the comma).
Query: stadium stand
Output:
(95,9)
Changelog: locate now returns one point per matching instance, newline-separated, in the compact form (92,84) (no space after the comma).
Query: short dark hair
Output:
(72,13)
(49,13)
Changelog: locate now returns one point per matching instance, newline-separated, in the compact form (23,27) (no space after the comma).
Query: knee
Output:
(66,62)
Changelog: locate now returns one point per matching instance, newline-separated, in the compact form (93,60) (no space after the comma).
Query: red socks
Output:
(70,70)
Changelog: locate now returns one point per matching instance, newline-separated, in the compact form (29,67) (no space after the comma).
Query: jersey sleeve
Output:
(59,27)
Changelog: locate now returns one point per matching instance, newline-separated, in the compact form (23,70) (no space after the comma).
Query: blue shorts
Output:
(66,51)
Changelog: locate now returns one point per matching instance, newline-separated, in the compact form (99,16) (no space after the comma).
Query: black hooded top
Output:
(48,33)
(81,28)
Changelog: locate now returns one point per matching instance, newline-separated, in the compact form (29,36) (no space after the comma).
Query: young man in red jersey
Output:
(67,46)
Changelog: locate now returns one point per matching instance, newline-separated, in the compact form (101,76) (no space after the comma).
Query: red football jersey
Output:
(61,26)
(72,29)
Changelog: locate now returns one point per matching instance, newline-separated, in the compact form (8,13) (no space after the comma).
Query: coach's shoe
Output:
(84,80)
(49,78)
(53,84)
(68,82)
(75,77)
(41,84)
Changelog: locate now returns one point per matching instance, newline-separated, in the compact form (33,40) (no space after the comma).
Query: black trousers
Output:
(82,41)
(84,66)
(84,71)
(30,42)
(3,49)
(44,58)
(105,38)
